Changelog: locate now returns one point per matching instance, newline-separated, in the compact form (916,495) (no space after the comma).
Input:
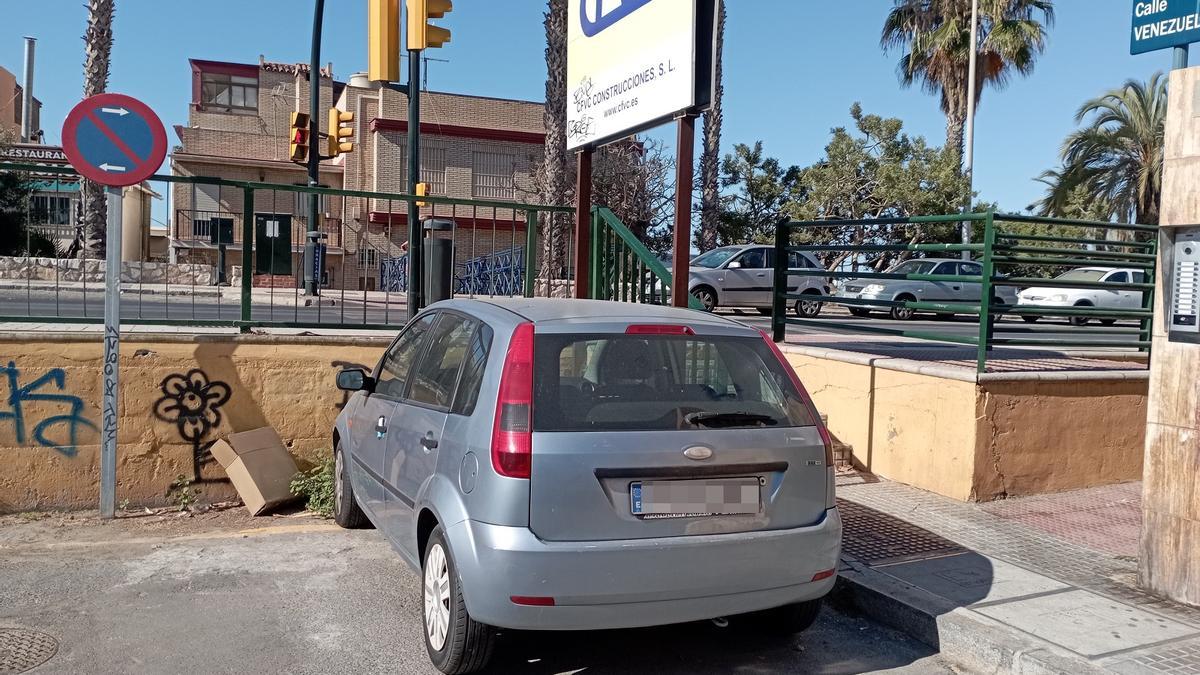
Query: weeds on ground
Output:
(316,485)
(182,494)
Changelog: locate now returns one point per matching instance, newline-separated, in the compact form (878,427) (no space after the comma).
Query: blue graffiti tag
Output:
(18,396)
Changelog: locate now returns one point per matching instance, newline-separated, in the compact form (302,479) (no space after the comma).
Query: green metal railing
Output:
(1008,245)
(485,230)
(621,266)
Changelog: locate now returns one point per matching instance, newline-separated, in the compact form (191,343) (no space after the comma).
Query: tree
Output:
(710,165)
(759,196)
(880,172)
(97,41)
(17,238)
(935,36)
(553,178)
(1115,161)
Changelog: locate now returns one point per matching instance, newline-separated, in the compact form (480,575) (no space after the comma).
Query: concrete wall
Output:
(48,438)
(939,429)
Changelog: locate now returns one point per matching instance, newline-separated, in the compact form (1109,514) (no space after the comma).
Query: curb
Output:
(962,637)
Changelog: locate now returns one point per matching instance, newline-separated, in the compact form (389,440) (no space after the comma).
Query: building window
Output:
(433,169)
(232,92)
(51,210)
(366,258)
(492,175)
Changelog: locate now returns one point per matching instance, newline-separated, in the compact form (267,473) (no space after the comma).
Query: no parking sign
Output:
(114,140)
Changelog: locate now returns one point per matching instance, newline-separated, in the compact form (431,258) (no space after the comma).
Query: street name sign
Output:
(114,140)
(1162,24)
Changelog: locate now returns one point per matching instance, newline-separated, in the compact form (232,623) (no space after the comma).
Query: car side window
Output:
(970,269)
(1118,278)
(473,367)
(753,259)
(1139,277)
(392,373)
(945,268)
(435,375)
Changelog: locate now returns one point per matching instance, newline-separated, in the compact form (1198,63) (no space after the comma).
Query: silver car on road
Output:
(900,290)
(570,464)
(743,276)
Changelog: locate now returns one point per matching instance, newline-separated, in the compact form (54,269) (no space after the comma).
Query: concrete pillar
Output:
(1169,563)
(133,223)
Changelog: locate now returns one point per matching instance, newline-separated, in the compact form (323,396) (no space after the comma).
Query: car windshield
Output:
(1083,275)
(716,257)
(914,267)
(660,382)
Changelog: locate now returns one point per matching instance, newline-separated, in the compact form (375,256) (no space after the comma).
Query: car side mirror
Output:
(355,379)
(735,265)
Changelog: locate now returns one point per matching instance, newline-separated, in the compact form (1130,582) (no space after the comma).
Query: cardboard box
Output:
(259,466)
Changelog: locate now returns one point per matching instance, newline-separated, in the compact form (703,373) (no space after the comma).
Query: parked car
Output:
(576,465)
(743,276)
(933,291)
(1049,296)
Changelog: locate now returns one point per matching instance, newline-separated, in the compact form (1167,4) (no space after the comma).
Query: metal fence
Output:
(1015,253)
(204,251)
(622,268)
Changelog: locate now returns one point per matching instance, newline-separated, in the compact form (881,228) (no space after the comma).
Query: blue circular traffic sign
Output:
(114,140)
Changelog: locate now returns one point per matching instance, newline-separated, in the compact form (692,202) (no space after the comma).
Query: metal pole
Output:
(27,130)
(583,224)
(416,277)
(970,140)
(112,346)
(684,173)
(314,148)
(1181,58)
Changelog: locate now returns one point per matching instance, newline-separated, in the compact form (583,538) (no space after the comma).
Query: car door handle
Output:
(429,442)
(381,427)
(957,288)
(761,274)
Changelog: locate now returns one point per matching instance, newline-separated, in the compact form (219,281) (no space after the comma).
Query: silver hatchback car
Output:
(574,464)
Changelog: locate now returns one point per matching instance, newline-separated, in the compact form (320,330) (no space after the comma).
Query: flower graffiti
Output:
(192,402)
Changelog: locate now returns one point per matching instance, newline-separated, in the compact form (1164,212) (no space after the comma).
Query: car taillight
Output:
(512,432)
(659,329)
(812,408)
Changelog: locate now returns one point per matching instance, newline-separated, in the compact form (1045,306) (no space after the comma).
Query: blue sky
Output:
(792,70)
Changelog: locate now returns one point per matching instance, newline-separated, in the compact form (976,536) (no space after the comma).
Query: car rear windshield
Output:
(660,382)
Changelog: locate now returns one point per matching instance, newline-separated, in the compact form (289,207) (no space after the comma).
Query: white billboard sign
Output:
(630,64)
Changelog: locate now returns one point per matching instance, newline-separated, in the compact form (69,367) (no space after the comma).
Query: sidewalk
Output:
(1043,584)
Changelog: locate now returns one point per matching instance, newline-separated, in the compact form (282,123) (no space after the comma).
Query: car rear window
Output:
(660,382)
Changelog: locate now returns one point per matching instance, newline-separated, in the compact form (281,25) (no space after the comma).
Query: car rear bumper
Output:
(639,582)
(866,297)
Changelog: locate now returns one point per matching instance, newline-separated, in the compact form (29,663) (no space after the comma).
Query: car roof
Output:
(552,310)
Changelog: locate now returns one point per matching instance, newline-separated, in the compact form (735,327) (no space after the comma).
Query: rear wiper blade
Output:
(734,419)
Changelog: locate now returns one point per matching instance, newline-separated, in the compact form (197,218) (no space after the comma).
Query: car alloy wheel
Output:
(808,309)
(339,474)
(708,299)
(903,313)
(437,596)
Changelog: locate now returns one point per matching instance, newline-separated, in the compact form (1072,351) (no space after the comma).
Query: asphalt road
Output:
(309,598)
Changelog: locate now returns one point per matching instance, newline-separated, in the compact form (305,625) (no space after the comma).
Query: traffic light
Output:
(421,33)
(341,139)
(298,140)
(422,190)
(383,40)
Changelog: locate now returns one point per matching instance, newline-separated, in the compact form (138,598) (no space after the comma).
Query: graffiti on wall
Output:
(59,431)
(192,402)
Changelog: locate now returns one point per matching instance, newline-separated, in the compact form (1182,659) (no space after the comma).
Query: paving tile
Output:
(969,578)
(1087,623)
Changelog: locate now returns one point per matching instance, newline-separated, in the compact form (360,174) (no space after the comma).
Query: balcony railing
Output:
(196,226)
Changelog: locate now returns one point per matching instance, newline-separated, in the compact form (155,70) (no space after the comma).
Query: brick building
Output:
(472,147)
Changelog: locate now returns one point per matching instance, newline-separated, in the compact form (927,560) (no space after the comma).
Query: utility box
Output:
(1184,303)
(438,258)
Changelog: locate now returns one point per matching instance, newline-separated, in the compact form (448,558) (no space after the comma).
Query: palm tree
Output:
(710,157)
(97,43)
(935,36)
(554,163)
(1117,157)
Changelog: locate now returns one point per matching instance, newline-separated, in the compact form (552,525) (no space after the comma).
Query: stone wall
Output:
(49,443)
(69,270)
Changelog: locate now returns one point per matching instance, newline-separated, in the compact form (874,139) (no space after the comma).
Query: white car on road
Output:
(1104,298)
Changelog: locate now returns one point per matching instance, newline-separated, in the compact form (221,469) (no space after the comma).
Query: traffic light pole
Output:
(416,275)
(314,153)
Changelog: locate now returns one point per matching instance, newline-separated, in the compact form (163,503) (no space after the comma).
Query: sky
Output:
(793,68)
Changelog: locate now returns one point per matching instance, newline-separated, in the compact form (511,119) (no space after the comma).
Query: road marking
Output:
(307,528)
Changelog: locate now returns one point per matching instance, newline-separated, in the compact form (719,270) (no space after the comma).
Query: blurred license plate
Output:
(687,498)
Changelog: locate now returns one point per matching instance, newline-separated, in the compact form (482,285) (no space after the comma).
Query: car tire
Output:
(860,313)
(787,620)
(944,316)
(1031,319)
(807,309)
(765,311)
(1080,320)
(456,643)
(1108,322)
(903,313)
(346,511)
(706,296)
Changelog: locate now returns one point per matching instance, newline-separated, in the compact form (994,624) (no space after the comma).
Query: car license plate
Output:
(695,498)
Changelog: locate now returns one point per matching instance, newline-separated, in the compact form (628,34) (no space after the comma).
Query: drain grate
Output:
(879,539)
(22,650)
